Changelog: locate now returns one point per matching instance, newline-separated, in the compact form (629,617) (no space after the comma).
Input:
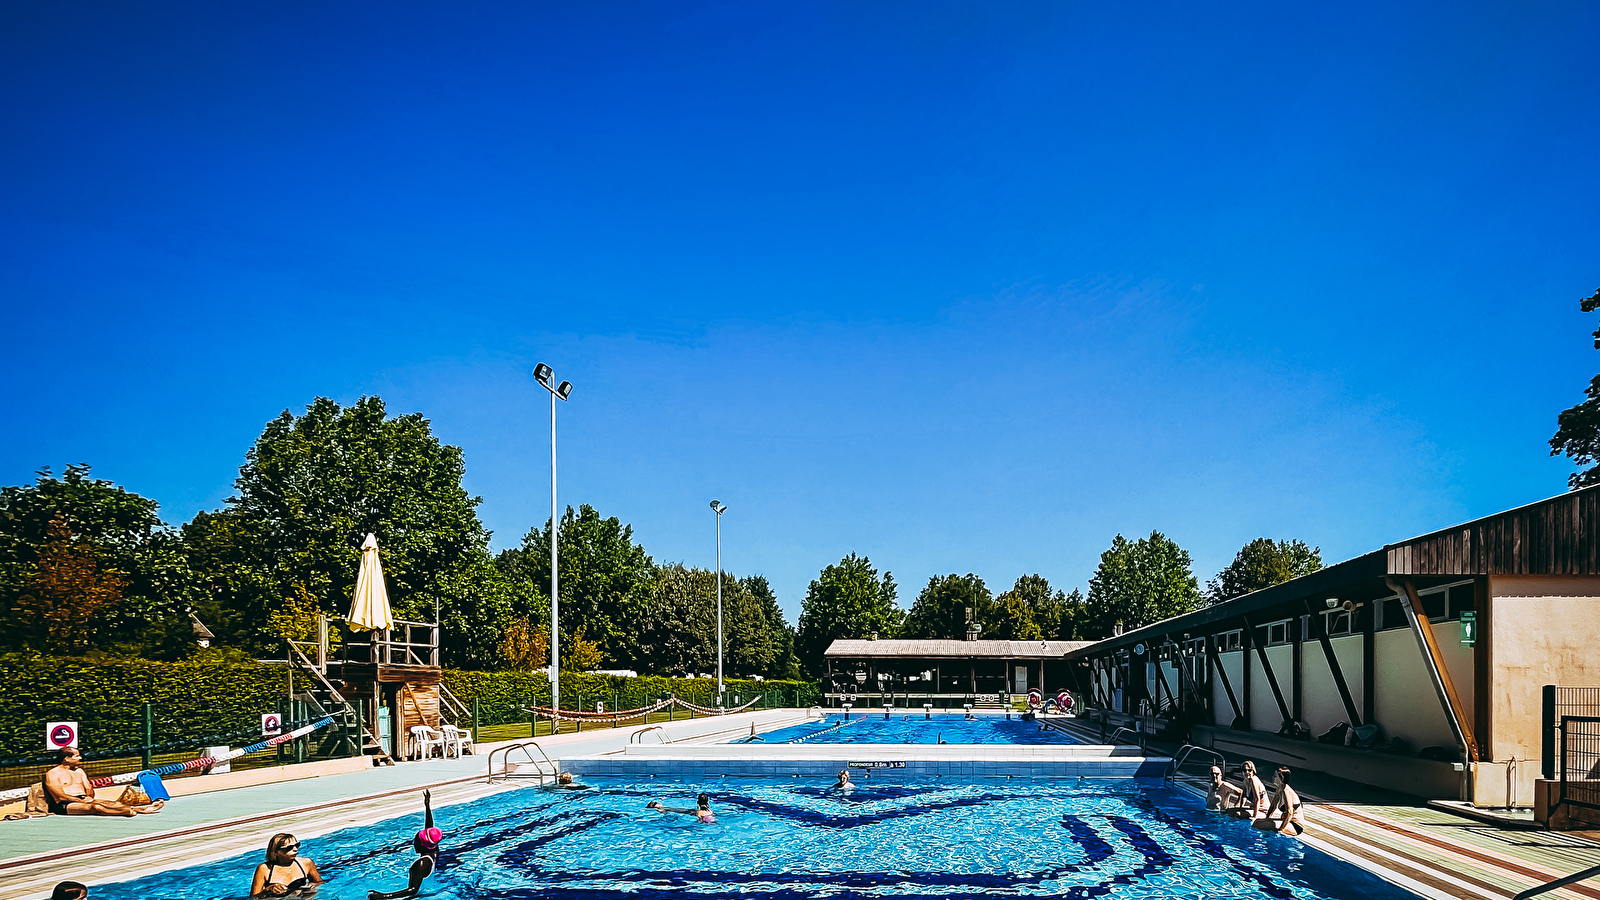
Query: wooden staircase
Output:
(322,697)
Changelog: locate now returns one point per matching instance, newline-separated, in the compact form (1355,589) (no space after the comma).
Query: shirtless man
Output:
(68,792)
(1222,796)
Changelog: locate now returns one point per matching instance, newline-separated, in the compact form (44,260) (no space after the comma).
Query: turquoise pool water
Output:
(915,728)
(789,840)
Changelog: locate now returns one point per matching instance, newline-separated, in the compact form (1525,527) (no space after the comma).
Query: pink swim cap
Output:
(428,839)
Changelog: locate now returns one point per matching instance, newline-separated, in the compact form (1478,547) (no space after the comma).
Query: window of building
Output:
(1230,640)
(1336,623)
(1277,633)
(1461,598)
(1434,604)
(1394,615)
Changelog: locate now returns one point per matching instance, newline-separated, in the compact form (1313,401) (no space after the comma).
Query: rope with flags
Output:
(578,715)
(197,763)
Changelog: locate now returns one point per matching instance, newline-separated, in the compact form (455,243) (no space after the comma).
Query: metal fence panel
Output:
(1580,761)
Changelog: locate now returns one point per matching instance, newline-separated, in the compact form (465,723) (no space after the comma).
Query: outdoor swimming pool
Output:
(791,840)
(914,728)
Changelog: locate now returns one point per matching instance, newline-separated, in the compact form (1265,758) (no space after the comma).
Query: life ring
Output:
(1035,699)
(1064,701)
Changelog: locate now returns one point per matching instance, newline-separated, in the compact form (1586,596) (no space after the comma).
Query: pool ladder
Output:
(543,767)
(1183,755)
(661,733)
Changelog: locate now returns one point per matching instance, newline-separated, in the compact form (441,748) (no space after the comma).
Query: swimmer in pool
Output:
(565,782)
(844,783)
(285,870)
(702,810)
(426,843)
(1222,795)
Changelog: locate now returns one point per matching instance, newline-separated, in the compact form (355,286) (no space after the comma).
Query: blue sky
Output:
(960,287)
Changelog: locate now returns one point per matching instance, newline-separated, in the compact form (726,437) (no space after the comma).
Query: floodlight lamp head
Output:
(1332,602)
(565,390)
(542,373)
(718,507)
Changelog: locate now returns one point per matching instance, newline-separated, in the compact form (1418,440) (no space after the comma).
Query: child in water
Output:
(701,812)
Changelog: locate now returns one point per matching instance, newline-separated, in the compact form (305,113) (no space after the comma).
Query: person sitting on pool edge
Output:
(1252,803)
(68,792)
(285,870)
(426,843)
(1284,814)
(70,890)
(702,810)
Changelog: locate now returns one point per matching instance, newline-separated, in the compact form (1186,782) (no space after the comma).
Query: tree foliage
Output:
(87,565)
(311,489)
(847,600)
(1578,427)
(1263,563)
(1140,582)
(605,579)
(1053,615)
(941,608)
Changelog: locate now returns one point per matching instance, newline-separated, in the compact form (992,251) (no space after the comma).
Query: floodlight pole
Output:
(719,509)
(545,376)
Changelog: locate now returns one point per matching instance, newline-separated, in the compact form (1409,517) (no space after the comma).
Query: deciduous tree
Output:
(847,600)
(1139,582)
(1578,427)
(1263,563)
(940,610)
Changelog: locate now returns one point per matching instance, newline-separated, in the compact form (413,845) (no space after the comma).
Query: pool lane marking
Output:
(163,836)
(1538,876)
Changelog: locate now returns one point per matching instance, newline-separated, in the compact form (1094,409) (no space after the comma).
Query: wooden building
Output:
(1445,641)
(946,673)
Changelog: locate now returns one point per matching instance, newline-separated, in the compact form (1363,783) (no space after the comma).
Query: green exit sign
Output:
(1469,628)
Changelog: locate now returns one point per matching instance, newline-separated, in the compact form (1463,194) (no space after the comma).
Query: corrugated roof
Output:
(907,649)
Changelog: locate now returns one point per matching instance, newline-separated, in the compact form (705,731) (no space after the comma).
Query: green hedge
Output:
(208,696)
(190,699)
(504,696)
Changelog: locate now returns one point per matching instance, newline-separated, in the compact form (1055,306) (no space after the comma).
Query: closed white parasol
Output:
(370,609)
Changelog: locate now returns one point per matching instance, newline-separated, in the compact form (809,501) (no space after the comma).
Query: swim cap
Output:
(428,839)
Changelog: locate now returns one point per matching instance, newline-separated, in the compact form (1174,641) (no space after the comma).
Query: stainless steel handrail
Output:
(1183,754)
(638,736)
(1574,878)
(505,760)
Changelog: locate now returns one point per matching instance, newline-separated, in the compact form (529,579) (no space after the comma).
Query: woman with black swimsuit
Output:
(285,870)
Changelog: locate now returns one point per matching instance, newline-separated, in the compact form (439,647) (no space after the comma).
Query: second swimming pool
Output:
(915,728)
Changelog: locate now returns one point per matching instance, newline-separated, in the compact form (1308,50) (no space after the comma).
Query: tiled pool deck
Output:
(1430,851)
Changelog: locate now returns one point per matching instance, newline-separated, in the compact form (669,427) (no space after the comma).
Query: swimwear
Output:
(293,885)
(57,807)
(1298,828)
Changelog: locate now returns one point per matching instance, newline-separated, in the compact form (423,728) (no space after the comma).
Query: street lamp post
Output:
(718,508)
(546,377)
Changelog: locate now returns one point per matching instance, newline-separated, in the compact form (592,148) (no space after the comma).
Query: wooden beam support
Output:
(1272,679)
(1216,664)
(1333,666)
(1434,659)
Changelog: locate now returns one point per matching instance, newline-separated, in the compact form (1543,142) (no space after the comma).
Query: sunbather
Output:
(68,792)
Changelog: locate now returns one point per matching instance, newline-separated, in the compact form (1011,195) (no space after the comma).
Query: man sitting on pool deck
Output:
(702,810)
(1222,795)
(67,791)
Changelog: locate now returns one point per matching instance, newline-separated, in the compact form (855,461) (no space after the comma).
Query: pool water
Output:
(784,839)
(914,728)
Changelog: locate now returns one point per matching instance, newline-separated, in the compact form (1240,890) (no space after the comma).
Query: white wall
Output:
(1233,664)
(1264,714)
(1322,707)
(1408,706)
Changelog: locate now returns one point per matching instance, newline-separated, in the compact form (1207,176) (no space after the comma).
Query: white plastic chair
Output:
(423,739)
(459,739)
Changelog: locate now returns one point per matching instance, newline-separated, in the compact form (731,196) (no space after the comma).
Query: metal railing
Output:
(508,769)
(1184,753)
(1558,702)
(1574,878)
(638,736)
(1580,761)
